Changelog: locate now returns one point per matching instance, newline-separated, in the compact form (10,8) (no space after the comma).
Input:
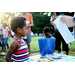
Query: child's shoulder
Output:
(14,45)
(14,41)
(5,29)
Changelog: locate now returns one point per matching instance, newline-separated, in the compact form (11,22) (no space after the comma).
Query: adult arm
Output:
(31,23)
(70,25)
(52,19)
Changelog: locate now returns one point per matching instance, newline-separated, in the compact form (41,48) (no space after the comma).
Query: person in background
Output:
(69,21)
(18,50)
(12,34)
(58,36)
(1,27)
(5,35)
(47,32)
(30,23)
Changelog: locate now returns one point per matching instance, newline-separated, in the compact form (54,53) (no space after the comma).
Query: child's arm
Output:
(14,45)
(1,35)
(8,34)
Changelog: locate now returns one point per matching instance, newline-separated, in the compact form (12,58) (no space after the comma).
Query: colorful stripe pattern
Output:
(21,54)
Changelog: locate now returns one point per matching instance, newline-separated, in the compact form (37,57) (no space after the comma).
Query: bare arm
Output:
(68,20)
(31,23)
(52,19)
(70,25)
(12,48)
(54,16)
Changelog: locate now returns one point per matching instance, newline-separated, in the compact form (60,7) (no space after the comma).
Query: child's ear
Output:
(19,29)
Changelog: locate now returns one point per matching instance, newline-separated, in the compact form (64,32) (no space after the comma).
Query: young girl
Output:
(5,35)
(18,50)
(47,32)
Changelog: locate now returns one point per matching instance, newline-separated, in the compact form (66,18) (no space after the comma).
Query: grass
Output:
(35,48)
(2,58)
(34,44)
(72,49)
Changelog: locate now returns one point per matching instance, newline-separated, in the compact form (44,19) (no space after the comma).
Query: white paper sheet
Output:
(64,31)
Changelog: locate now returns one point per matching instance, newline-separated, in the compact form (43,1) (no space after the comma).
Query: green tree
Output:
(40,21)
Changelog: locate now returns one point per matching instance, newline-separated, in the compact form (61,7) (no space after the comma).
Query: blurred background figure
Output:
(30,23)
(1,38)
(5,35)
(57,34)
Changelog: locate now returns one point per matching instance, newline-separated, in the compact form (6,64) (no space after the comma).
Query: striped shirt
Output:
(21,54)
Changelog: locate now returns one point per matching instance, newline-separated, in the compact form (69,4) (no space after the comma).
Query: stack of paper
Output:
(64,31)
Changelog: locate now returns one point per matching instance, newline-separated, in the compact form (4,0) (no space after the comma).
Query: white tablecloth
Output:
(55,58)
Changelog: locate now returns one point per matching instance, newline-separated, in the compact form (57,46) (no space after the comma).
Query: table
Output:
(52,58)
(34,58)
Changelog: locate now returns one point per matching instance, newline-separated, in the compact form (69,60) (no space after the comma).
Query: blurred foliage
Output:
(7,17)
(40,19)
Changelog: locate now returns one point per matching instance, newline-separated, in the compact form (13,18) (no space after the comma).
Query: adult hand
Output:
(66,19)
(53,24)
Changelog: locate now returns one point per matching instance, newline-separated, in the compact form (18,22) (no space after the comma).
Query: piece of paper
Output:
(64,31)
